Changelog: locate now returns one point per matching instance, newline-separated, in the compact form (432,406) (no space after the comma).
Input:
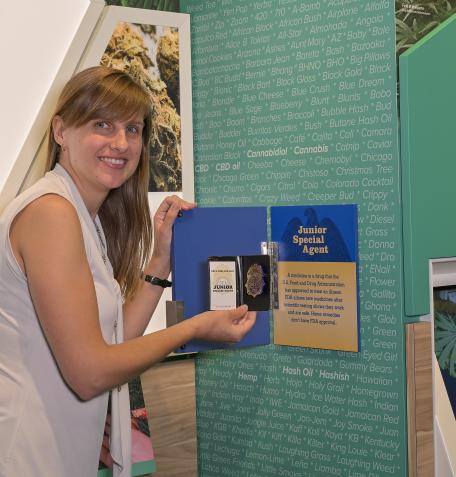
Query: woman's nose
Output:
(119,141)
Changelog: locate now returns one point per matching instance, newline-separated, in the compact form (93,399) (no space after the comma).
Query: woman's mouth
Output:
(113,161)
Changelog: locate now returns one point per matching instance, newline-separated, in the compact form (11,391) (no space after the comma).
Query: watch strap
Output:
(161,282)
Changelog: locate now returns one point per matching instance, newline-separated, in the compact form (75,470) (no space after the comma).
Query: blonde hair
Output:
(112,94)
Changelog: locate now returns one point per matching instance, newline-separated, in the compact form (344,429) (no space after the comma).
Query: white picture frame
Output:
(110,18)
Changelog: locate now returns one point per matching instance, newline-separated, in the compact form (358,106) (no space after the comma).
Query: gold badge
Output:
(255,280)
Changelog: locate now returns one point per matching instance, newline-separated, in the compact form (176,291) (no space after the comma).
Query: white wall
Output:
(34,38)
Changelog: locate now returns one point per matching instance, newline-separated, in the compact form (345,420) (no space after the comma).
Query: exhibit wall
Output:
(294,103)
(30,50)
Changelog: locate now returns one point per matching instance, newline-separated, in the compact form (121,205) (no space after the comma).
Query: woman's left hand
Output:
(163,225)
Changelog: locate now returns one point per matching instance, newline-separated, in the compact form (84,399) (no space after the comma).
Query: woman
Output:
(69,331)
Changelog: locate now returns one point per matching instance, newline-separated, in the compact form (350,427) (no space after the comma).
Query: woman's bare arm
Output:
(47,241)
(138,311)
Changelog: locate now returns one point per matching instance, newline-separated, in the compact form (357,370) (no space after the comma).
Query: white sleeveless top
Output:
(45,430)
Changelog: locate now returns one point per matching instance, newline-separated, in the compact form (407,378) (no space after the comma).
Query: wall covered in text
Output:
(295,104)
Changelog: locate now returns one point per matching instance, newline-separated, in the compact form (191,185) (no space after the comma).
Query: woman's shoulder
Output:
(50,206)
(46,225)
(49,185)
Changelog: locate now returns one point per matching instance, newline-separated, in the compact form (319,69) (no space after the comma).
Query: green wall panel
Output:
(294,103)
(428,101)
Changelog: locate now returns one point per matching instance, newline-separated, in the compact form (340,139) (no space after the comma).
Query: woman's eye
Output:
(102,124)
(133,129)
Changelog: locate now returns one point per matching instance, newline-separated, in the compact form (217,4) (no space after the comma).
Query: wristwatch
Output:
(161,282)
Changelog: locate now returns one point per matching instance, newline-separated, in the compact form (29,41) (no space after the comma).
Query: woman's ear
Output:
(57,129)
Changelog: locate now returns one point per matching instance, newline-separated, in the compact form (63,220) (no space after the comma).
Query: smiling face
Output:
(100,134)
(101,154)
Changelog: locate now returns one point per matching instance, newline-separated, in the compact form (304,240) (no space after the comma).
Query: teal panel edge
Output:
(141,468)
(405,182)
(138,468)
(418,247)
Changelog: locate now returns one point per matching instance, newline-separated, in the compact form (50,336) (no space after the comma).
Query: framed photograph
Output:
(154,47)
(415,19)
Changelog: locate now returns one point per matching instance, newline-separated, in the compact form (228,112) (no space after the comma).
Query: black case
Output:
(253,280)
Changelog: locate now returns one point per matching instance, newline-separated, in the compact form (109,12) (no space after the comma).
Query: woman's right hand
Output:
(228,326)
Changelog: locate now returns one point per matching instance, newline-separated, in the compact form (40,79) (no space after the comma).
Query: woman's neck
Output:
(93,199)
